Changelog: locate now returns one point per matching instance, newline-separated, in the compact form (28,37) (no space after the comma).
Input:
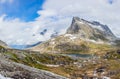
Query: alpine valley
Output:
(88,50)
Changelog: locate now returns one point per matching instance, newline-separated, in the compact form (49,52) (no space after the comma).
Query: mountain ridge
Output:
(80,36)
(87,29)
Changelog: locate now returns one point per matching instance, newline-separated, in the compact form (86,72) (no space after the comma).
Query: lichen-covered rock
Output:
(20,71)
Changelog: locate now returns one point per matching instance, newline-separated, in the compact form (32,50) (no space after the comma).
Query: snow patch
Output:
(68,35)
(81,22)
(51,65)
(52,42)
(97,42)
(72,38)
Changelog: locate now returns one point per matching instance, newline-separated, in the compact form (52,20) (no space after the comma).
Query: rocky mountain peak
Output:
(75,19)
(74,28)
(87,29)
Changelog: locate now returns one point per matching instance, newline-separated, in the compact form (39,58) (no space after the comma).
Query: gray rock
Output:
(90,30)
(20,71)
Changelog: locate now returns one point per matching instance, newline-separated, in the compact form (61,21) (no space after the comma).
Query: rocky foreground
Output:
(20,71)
(15,70)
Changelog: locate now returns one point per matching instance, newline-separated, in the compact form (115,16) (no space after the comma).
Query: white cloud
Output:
(100,10)
(57,15)
(14,31)
(47,13)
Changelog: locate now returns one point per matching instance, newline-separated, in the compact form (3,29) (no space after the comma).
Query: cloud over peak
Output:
(56,15)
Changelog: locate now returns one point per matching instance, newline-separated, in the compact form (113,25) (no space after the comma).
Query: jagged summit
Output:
(91,30)
(75,19)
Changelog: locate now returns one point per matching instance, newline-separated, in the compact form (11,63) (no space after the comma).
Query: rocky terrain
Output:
(85,38)
(90,30)
(17,70)
(88,50)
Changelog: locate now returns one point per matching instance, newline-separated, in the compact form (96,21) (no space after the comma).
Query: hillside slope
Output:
(81,37)
(9,67)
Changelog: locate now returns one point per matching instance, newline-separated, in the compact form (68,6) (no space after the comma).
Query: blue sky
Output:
(22,21)
(23,9)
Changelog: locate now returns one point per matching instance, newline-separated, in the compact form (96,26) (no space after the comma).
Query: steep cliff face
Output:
(90,30)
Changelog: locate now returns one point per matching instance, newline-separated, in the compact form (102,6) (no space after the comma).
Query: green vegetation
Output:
(72,48)
(113,55)
(38,60)
(27,60)
(99,46)
(1,47)
(66,68)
